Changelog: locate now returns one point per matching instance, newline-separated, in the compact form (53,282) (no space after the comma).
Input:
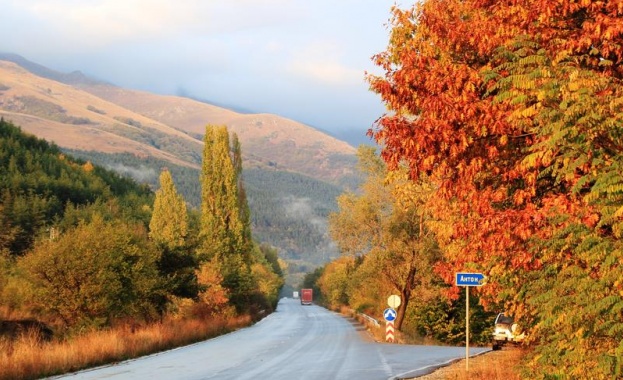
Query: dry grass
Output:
(29,358)
(493,365)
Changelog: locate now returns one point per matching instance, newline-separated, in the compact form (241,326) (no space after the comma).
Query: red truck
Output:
(306,296)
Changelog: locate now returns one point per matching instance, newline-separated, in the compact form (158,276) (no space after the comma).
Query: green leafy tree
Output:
(168,228)
(7,231)
(575,117)
(222,228)
(95,274)
(268,277)
(243,204)
(334,282)
(386,225)
(169,220)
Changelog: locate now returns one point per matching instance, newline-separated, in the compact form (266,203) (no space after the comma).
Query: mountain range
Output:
(293,171)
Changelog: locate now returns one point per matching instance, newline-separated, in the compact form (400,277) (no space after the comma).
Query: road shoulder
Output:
(488,365)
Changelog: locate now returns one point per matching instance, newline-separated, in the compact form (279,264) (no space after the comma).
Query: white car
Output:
(506,331)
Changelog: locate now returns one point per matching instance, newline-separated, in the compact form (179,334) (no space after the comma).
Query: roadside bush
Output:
(444,321)
(98,272)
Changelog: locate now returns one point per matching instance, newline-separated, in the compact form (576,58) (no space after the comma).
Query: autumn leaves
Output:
(514,110)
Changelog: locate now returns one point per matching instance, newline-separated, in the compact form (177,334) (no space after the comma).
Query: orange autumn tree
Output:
(441,124)
(516,109)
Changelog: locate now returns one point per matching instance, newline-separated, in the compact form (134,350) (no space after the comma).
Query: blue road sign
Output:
(389,314)
(470,279)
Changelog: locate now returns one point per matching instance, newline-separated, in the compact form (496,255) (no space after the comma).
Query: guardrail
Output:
(370,319)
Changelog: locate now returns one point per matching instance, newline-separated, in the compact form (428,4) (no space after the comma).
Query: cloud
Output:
(301,59)
(320,62)
(99,23)
(302,209)
(140,174)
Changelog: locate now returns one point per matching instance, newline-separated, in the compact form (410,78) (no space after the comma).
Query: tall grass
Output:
(30,358)
(495,365)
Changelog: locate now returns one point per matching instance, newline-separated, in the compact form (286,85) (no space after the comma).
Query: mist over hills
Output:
(287,165)
(354,136)
(72,78)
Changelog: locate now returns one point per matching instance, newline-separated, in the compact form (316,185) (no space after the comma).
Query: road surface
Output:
(295,342)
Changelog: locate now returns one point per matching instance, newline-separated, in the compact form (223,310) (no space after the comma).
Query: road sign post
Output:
(390,315)
(467,280)
(467,328)
(389,332)
(394,301)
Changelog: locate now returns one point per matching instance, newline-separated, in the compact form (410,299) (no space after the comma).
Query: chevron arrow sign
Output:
(389,332)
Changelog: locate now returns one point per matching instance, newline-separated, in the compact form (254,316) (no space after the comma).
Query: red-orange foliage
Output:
(515,109)
(445,120)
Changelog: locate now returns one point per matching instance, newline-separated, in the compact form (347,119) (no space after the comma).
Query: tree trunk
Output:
(405,295)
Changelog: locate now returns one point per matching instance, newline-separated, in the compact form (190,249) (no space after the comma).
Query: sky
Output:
(302,59)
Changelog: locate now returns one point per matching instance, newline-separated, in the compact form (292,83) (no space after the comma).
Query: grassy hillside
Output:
(77,113)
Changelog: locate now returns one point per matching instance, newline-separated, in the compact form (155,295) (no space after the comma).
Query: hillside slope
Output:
(268,139)
(287,165)
(75,119)
(83,114)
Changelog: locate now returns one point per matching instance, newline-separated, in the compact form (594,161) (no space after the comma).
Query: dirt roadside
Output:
(491,365)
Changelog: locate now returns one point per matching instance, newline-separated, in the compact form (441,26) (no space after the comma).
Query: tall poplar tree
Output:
(169,221)
(221,227)
(168,228)
(243,205)
(222,230)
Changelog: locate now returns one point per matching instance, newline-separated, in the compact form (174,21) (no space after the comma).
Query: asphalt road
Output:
(295,342)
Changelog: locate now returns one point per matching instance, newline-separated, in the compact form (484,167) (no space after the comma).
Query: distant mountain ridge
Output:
(293,171)
(72,78)
(80,108)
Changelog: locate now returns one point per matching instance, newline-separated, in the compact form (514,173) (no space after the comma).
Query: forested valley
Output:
(288,209)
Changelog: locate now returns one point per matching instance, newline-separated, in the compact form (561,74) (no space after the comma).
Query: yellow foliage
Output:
(214,295)
(88,167)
